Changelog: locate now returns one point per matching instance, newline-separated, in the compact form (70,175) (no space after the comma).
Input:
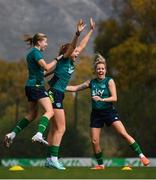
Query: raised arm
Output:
(86,38)
(79,87)
(72,46)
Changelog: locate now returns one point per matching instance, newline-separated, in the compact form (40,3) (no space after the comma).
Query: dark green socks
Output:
(43,123)
(135,147)
(20,125)
(53,151)
(99,158)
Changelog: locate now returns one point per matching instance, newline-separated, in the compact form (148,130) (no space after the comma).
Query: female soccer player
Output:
(34,89)
(103,94)
(58,83)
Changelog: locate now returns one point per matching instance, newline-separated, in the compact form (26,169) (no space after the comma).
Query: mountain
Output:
(56,18)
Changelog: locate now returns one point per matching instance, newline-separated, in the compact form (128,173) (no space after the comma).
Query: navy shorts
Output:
(99,117)
(56,98)
(35,93)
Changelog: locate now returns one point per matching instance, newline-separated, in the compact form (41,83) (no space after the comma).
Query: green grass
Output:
(78,172)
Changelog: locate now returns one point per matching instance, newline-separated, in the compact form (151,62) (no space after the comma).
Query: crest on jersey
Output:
(58,105)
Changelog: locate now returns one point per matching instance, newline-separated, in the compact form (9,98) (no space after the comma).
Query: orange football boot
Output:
(145,161)
(98,167)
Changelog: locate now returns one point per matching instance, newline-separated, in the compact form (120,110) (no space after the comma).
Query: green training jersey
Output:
(36,72)
(63,71)
(100,88)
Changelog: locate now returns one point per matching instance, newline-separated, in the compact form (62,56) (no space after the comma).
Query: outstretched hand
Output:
(92,24)
(80,26)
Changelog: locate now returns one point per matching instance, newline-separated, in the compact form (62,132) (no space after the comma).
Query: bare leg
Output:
(119,127)
(32,110)
(44,119)
(21,124)
(56,132)
(57,128)
(47,107)
(95,139)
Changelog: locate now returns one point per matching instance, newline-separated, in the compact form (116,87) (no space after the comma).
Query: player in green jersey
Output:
(58,83)
(35,85)
(103,94)
(34,89)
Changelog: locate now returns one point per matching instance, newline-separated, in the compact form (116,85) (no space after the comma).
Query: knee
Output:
(95,141)
(61,130)
(31,116)
(50,114)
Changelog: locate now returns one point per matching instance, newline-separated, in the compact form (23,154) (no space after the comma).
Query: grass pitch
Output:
(78,173)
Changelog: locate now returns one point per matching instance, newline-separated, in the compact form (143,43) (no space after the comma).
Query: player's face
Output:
(43,44)
(101,71)
(74,55)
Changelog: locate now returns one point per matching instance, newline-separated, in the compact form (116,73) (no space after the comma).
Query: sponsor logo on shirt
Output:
(97,92)
(71,70)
